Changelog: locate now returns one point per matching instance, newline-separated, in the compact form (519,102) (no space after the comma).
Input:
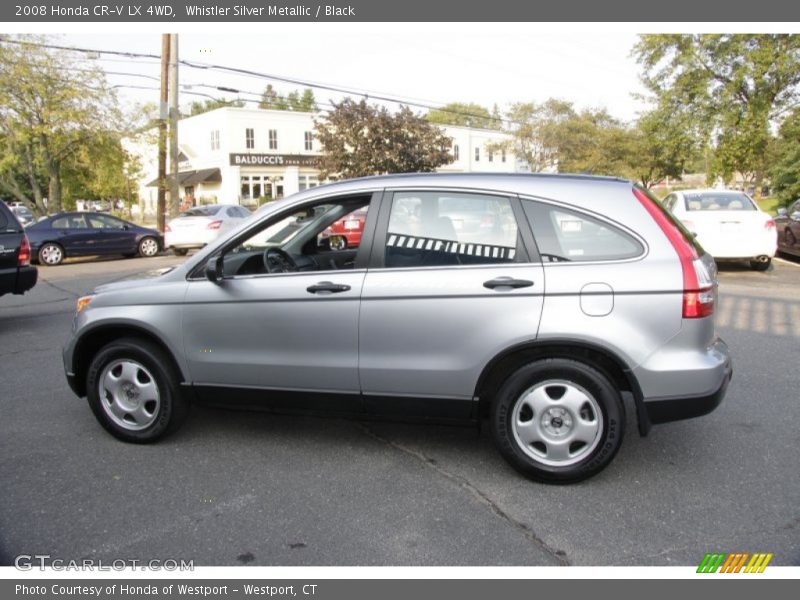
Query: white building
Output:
(238,155)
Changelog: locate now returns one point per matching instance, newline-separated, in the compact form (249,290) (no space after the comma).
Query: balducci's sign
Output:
(273,160)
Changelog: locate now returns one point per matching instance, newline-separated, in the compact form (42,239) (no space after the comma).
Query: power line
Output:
(250,73)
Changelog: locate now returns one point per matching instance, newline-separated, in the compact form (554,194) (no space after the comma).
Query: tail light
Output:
(167,228)
(24,257)
(769,224)
(214,225)
(698,286)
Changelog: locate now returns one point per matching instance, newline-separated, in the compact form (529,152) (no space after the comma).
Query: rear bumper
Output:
(26,279)
(664,410)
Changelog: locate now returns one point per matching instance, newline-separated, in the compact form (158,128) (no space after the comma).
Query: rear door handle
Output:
(327,287)
(500,282)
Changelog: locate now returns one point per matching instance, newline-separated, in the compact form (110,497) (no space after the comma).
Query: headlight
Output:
(83,302)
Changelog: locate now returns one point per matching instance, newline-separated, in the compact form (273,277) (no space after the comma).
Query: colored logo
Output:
(736,562)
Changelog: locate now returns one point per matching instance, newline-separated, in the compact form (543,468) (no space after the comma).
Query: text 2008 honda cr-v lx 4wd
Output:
(537,300)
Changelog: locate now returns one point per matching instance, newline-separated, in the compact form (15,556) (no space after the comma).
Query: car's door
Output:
(278,337)
(74,234)
(441,299)
(111,235)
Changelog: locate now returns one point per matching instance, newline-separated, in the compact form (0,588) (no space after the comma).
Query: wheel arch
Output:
(90,343)
(606,361)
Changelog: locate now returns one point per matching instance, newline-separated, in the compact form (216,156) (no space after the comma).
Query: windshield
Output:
(718,201)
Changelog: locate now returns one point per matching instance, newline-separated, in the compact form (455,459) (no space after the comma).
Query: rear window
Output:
(201,211)
(718,201)
(564,235)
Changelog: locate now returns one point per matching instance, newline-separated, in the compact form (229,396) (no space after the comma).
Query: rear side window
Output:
(3,219)
(428,229)
(564,235)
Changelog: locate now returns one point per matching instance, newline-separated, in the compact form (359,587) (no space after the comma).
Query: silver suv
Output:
(538,301)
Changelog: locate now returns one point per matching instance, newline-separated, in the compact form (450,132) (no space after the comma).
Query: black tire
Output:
(760,266)
(148,247)
(173,407)
(50,254)
(535,376)
(180,251)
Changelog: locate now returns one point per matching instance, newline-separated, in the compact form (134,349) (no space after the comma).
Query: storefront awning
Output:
(192,178)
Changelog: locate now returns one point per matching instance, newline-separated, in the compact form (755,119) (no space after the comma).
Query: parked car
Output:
(346,232)
(23,214)
(788,225)
(201,225)
(728,224)
(71,234)
(17,275)
(589,290)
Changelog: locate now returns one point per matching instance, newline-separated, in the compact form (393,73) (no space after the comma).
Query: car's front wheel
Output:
(558,420)
(148,247)
(134,392)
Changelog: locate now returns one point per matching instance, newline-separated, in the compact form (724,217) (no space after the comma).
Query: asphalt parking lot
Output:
(237,488)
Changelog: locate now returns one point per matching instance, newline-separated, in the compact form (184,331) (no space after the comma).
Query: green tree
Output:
(202,106)
(49,110)
(466,114)
(294,101)
(785,173)
(359,139)
(662,144)
(735,86)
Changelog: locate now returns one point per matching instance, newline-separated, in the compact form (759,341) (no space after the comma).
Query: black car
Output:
(788,225)
(17,275)
(90,234)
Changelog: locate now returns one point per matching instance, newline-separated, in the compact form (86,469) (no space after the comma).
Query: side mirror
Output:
(126,227)
(782,212)
(214,269)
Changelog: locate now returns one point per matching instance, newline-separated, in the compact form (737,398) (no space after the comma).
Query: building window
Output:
(249,138)
(491,156)
(503,155)
(273,139)
(309,140)
(215,139)
(456,152)
(307,182)
(477,154)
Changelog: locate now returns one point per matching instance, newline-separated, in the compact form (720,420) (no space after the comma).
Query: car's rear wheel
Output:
(180,251)
(148,247)
(760,263)
(558,420)
(134,392)
(51,254)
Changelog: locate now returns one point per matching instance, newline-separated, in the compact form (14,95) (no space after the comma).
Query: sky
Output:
(432,63)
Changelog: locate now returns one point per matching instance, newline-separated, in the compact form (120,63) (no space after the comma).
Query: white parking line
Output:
(786,262)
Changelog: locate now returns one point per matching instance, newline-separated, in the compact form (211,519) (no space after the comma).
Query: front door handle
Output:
(327,287)
(500,282)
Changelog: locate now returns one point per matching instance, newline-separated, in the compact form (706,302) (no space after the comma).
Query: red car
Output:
(346,232)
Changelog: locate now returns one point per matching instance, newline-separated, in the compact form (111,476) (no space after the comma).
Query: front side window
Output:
(105,222)
(439,228)
(273,139)
(563,235)
(249,138)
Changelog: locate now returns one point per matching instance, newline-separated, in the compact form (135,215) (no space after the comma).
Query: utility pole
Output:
(161,208)
(174,191)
